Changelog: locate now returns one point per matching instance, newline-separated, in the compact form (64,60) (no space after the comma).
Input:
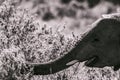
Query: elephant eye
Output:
(95,40)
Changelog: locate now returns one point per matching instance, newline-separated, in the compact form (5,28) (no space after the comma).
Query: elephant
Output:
(99,47)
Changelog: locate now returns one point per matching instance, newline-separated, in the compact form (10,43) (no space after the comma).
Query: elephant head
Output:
(99,47)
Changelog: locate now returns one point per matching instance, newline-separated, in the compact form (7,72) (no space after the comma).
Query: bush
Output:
(22,39)
(15,26)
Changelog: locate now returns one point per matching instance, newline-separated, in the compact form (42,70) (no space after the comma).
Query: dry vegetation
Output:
(22,38)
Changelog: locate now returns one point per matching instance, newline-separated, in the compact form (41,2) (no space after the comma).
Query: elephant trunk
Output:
(73,56)
(54,66)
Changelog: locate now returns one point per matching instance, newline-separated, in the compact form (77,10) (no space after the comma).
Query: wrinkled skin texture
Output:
(100,47)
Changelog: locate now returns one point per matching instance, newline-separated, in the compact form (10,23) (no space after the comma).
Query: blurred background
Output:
(75,15)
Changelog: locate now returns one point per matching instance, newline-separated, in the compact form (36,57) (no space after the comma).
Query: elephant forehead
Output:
(106,36)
